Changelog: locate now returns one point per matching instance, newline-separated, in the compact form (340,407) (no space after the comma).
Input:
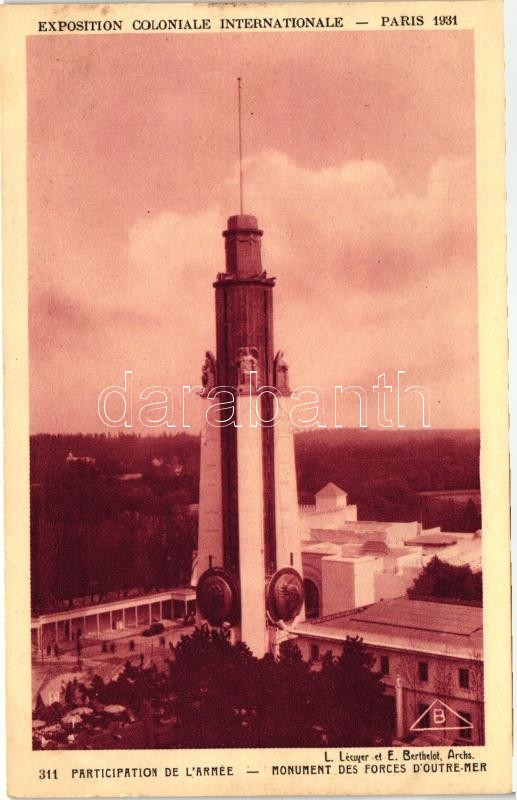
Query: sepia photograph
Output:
(259,481)
(276,556)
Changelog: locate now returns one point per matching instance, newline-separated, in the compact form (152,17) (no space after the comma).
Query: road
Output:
(50,673)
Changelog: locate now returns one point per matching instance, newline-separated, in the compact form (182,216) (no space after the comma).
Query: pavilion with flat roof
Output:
(104,619)
(429,653)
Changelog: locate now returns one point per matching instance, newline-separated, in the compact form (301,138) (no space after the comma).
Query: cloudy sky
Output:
(359,164)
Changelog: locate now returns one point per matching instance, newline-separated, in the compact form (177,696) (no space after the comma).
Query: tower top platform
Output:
(242,222)
(243,246)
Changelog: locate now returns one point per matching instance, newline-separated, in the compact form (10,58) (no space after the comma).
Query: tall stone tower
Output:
(248,550)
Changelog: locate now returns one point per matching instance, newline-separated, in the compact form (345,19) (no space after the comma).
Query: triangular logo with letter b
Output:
(438,716)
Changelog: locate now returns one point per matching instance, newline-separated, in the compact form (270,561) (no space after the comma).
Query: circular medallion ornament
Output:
(218,597)
(285,595)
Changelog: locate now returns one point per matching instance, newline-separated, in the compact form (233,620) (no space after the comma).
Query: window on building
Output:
(315,652)
(423,672)
(423,711)
(464,678)
(385,665)
(466,733)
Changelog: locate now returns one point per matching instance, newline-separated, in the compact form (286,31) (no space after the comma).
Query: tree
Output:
(40,710)
(471,516)
(220,695)
(357,712)
(216,686)
(288,706)
(439,579)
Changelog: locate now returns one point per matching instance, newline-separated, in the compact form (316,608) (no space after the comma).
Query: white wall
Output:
(210,536)
(251,530)
(286,509)
(324,504)
(347,583)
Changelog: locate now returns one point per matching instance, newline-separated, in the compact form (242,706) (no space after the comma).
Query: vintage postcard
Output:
(256,414)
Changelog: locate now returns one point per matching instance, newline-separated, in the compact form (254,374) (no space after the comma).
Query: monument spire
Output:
(249,543)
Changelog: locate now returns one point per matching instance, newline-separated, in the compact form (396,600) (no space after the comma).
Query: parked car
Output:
(154,629)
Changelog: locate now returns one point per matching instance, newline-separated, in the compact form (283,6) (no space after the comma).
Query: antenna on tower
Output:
(240,141)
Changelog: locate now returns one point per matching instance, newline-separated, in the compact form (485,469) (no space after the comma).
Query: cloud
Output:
(369,276)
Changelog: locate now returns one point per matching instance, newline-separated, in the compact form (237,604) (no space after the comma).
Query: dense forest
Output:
(113,514)
(383,471)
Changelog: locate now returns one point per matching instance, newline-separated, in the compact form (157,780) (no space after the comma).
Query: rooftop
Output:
(330,490)
(422,615)
(320,547)
(451,493)
(433,540)
(403,624)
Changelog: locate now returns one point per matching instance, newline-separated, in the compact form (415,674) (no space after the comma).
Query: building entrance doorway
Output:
(312,599)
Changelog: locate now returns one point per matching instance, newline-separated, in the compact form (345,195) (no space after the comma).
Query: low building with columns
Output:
(430,655)
(106,619)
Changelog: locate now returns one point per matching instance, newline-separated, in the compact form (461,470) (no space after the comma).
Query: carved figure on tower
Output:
(208,372)
(247,369)
(281,373)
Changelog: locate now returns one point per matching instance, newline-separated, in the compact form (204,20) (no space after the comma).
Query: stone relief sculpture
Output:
(247,367)
(208,371)
(281,373)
